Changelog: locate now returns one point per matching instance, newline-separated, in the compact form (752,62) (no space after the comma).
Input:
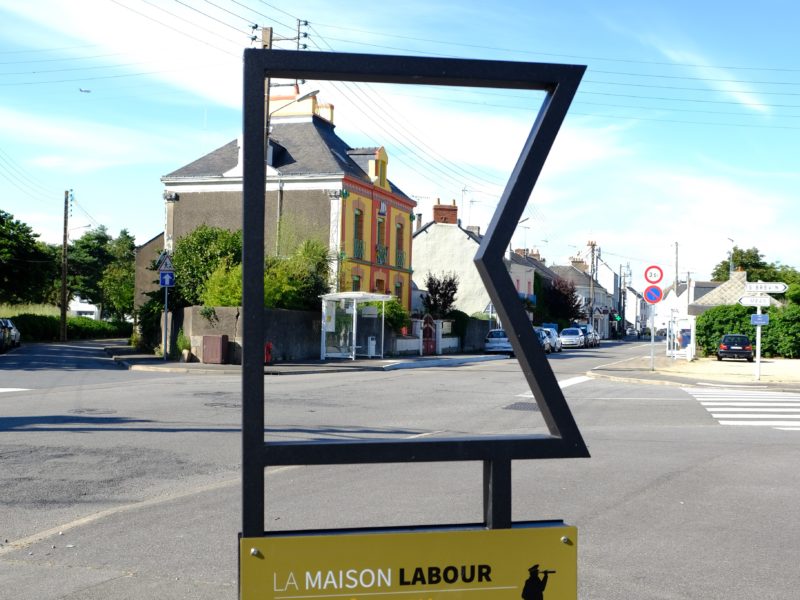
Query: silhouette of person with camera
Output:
(534,587)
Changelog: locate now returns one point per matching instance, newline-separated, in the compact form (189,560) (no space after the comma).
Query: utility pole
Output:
(676,269)
(67,198)
(592,244)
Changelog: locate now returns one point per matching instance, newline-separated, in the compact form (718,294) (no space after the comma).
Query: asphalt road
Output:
(116,484)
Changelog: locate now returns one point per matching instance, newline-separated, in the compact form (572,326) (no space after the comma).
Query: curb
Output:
(682,380)
(443,362)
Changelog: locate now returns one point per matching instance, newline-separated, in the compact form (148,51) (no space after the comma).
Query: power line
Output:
(561,55)
(221,22)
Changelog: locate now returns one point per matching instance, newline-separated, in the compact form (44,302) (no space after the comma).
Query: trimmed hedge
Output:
(780,338)
(42,328)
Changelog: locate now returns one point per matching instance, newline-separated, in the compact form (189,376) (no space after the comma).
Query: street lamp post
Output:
(730,262)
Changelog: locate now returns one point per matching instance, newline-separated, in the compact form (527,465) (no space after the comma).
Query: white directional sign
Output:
(766,287)
(754,300)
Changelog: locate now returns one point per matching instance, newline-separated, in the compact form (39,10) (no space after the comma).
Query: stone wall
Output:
(295,334)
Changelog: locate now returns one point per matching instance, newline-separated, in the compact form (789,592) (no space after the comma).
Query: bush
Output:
(396,316)
(460,322)
(782,335)
(717,321)
(43,328)
(149,317)
(182,342)
(780,338)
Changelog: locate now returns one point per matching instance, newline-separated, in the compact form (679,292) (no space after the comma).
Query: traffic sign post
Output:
(653,294)
(166,277)
(760,299)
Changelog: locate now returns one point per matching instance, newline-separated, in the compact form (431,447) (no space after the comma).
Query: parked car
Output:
(544,340)
(14,336)
(555,341)
(5,336)
(572,337)
(591,339)
(735,346)
(497,341)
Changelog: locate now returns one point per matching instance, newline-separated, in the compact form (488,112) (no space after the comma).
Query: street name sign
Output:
(759,319)
(435,564)
(653,294)
(653,274)
(754,300)
(766,287)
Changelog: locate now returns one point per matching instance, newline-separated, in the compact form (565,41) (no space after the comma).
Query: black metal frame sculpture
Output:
(560,83)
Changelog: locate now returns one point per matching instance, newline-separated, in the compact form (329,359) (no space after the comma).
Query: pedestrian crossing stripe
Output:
(754,408)
(13,390)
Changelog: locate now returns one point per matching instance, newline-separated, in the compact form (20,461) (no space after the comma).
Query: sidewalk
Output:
(776,373)
(127,357)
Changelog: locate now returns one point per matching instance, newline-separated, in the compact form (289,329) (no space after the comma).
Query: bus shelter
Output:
(350,327)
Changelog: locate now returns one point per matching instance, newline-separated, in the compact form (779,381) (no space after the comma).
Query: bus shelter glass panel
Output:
(339,328)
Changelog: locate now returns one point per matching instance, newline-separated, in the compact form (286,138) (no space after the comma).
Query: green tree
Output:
(87,259)
(442,292)
(295,282)
(298,282)
(118,280)
(224,286)
(197,256)
(28,267)
(751,261)
(561,303)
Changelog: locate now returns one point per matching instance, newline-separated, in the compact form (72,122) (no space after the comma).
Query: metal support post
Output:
(497,494)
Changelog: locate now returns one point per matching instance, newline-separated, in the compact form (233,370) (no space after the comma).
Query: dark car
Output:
(5,336)
(12,334)
(735,346)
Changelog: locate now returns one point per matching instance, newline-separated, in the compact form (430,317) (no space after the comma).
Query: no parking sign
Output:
(653,294)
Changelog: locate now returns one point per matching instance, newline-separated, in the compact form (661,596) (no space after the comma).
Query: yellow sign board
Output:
(530,561)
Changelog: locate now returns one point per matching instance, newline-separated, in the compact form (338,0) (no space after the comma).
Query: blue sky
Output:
(684,130)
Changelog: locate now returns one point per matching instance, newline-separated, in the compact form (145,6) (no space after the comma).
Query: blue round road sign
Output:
(653,294)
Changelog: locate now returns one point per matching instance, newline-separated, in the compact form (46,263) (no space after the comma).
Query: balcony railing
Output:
(400,259)
(358,249)
(381,254)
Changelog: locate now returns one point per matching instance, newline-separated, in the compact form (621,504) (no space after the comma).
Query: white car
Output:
(572,337)
(555,340)
(497,342)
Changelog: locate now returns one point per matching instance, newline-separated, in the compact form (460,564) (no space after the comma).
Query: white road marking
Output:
(14,390)
(564,383)
(750,407)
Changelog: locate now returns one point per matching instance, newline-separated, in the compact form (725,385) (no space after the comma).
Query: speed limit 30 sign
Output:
(653,274)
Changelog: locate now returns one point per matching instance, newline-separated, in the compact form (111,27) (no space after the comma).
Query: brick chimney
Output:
(579,263)
(443,213)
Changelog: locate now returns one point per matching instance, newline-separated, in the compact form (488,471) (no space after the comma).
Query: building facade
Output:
(444,246)
(317,187)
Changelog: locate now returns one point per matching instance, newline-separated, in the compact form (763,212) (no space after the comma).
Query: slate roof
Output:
(307,147)
(727,292)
